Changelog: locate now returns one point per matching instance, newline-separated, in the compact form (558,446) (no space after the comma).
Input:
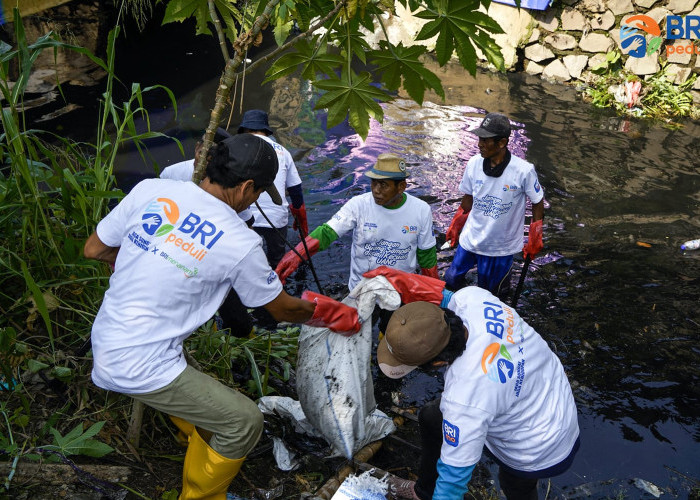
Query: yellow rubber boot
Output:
(206,474)
(186,428)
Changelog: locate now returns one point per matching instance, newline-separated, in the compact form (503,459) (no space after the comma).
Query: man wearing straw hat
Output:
(389,227)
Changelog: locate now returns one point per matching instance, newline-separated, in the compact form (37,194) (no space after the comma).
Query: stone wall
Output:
(574,36)
(570,38)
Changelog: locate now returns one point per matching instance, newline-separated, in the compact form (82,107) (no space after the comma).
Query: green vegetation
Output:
(659,98)
(53,191)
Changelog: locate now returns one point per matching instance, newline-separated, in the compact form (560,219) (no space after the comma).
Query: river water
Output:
(611,292)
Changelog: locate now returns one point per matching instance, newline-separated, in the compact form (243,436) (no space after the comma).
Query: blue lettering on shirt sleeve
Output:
(450,433)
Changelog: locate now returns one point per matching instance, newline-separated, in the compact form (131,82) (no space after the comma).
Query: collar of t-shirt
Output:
(403,200)
(498,169)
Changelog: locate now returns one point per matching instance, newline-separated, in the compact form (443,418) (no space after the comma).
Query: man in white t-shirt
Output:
(177,249)
(489,222)
(505,390)
(389,227)
(255,121)
(233,315)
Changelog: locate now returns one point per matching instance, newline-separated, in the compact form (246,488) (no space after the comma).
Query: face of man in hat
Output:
(387,192)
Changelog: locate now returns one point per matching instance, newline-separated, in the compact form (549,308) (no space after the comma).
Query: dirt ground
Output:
(156,474)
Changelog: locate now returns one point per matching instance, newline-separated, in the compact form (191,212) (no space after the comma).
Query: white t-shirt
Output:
(287,176)
(382,236)
(183,171)
(508,390)
(181,251)
(495,224)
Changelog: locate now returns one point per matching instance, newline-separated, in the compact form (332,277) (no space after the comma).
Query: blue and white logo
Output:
(450,433)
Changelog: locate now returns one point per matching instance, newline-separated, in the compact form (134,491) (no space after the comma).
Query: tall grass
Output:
(53,191)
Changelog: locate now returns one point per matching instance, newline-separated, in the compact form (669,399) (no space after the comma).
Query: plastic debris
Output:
(650,488)
(691,245)
(362,487)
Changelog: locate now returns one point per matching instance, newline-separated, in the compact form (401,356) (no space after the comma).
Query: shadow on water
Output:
(611,293)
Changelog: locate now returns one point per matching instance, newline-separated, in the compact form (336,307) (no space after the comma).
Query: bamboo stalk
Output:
(133,434)
(326,491)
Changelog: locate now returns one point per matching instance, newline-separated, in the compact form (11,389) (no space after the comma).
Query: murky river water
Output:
(611,293)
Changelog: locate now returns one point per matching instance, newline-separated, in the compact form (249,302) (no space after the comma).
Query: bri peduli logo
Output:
(500,371)
(640,35)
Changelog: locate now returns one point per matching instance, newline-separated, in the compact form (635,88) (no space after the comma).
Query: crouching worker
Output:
(177,249)
(504,389)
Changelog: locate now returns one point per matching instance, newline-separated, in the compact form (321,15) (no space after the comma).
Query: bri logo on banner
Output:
(640,35)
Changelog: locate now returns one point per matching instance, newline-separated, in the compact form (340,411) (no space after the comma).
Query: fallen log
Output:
(58,474)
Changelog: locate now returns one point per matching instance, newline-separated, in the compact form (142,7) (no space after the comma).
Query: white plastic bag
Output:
(334,381)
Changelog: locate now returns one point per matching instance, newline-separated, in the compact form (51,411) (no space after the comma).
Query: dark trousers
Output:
(234,315)
(273,243)
(515,484)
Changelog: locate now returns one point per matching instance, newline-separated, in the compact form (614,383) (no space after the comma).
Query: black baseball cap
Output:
(250,157)
(493,125)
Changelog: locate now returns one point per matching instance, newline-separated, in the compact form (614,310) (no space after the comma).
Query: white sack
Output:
(334,381)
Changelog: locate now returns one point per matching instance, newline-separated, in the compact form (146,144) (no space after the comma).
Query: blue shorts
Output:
(493,273)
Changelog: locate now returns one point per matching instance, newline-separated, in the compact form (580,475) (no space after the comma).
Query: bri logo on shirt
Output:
(500,371)
(506,187)
(163,215)
(409,229)
(450,433)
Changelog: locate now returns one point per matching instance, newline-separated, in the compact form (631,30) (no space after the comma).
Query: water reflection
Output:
(612,294)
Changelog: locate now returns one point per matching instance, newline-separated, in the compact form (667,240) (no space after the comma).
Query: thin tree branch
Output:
(219,32)
(294,40)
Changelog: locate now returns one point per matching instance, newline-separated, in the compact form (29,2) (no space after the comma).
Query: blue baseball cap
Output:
(255,119)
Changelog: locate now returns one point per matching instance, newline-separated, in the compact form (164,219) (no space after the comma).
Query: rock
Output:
(604,21)
(594,5)
(538,53)
(696,97)
(696,85)
(556,71)
(595,42)
(645,3)
(647,65)
(533,68)
(514,23)
(618,7)
(680,6)
(572,20)
(561,41)
(680,57)
(596,60)
(678,74)
(659,14)
(534,36)
(548,20)
(575,64)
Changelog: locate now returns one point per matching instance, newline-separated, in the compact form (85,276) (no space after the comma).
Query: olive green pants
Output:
(234,420)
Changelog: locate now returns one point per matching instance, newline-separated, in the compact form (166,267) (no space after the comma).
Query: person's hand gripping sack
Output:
(332,314)
(534,243)
(413,287)
(455,229)
(290,262)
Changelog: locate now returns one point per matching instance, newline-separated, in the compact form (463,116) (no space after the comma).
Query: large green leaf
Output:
(395,63)
(352,42)
(354,97)
(312,59)
(459,27)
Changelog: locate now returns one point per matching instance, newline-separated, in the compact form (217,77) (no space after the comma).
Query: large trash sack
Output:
(334,381)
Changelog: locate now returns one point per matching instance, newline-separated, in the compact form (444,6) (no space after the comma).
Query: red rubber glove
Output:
(332,314)
(453,232)
(289,263)
(534,243)
(432,272)
(300,220)
(411,287)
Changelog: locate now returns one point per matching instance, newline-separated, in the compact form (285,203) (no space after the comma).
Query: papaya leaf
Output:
(398,62)
(354,41)
(77,442)
(460,27)
(307,56)
(352,96)
(180,10)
